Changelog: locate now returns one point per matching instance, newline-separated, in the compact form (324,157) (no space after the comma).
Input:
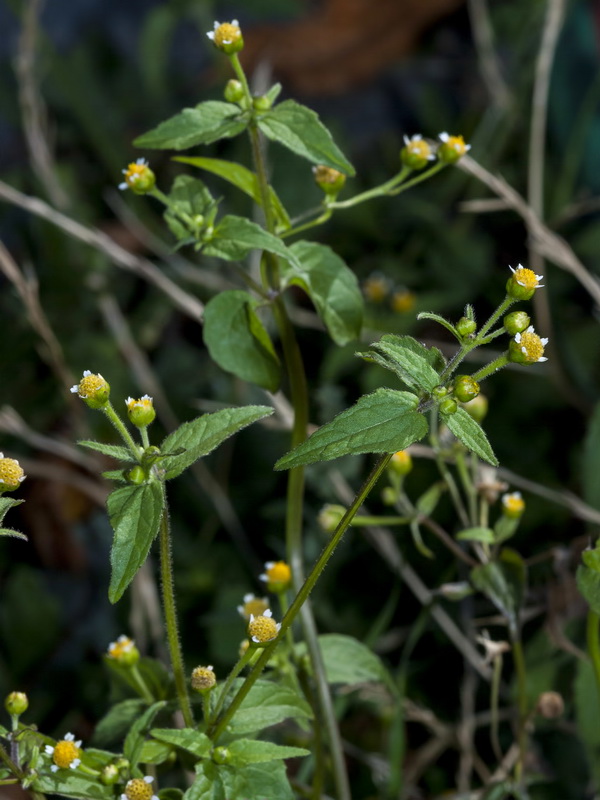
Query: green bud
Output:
(448,406)
(136,475)
(465,388)
(16,703)
(261,103)
(330,180)
(466,326)
(234,91)
(516,322)
(109,775)
(477,407)
(221,755)
(330,517)
(140,412)
(400,463)
(389,496)
(439,391)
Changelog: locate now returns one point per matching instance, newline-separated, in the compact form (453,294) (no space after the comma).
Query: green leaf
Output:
(427,502)
(417,537)
(591,558)
(591,461)
(115,475)
(170,794)
(117,721)
(299,129)
(200,436)
(203,124)
(12,532)
(471,434)
(409,360)
(71,783)
(250,751)
(134,741)
(477,534)
(588,583)
(349,661)
(504,528)
(266,704)
(436,318)
(113,450)
(382,422)
(153,672)
(234,237)
(186,738)
(135,513)
(254,782)
(190,198)
(6,503)
(244,179)
(503,582)
(237,340)
(332,287)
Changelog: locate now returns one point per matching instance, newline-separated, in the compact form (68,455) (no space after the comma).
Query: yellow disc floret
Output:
(93,389)
(138,789)
(452,148)
(66,753)
(513,505)
(203,679)
(329,179)
(527,347)
(401,462)
(376,288)
(253,606)
(277,576)
(403,301)
(11,474)
(138,177)
(124,651)
(227,36)
(263,629)
(522,283)
(416,152)
(140,412)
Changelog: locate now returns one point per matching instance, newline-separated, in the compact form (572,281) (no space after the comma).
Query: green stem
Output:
(495,696)
(519,662)
(168,593)
(141,683)
(302,595)
(489,369)
(118,423)
(593,644)
(467,484)
(144,437)
(361,521)
(242,662)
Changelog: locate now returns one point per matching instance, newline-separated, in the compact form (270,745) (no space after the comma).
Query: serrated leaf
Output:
(588,583)
(332,287)
(407,359)
(471,434)
(200,436)
(441,321)
(237,340)
(115,475)
(382,422)
(234,237)
(117,721)
(113,450)
(6,503)
(186,738)
(243,178)
(250,751)
(266,704)
(253,782)
(132,747)
(203,124)
(300,130)
(71,783)
(135,513)
(477,534)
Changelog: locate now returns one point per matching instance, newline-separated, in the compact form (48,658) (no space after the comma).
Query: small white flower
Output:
(454,141)
(527,350)
(523,283)
(211,34)
(268,565)
(414,145)
(133,176)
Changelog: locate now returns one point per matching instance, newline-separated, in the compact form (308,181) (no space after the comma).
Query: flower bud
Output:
(376,287)
(136,475)
(140,412)
(330,517)
(465,388)
(221,755)
(11,474)
(522,283)
(513,505)
(277,576)
(109,775)
(403,301)
(389,495)
(92,389)
(16,703)
(466,326)
(261,103)
(477,407)
(439,391)
(227,37)
(138,177)
(452,148)
(416,152)
(330,180)
(516,322)
(252,605)
(203,679)
(449,406)
(234,91)
(124,651)
(401,463)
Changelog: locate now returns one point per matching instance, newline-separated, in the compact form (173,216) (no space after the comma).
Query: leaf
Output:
(415,530)
(382,422)
(186,738)
(113,450)
(471,434)
(331,286)
(349,661)
(189,198)
(203,124)
(243,178)
(237,340)
(250,751)
(591,558)
(135,513)
(234,237)
(407,359)
(591,461)
(588,583)
(200,436)
(116,475)
(299,129)
(136,737)
(266,704)
(12,532)
(436,318)
(71,783)
(503,582)
(477,534)
(253,782)
(117,721)
(428,501)
(7,503)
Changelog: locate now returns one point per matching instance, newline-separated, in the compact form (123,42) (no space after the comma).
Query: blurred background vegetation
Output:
(82,80)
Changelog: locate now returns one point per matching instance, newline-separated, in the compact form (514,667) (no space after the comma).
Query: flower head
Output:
(203,679)
(16,703)
(513,505)
(403,301)
(123,651)
(452,148)
(92,389)
(416,152)
(139,789)
(11,474)
(401,463)
(522,283)
(527,347)
(140,412)
(252,606)
(227,36)
(330,180)
(263,629)
(138,177)
(277,576)
(65,753)
(376,287)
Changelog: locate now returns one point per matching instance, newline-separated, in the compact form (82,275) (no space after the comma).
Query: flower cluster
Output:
(417,152)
